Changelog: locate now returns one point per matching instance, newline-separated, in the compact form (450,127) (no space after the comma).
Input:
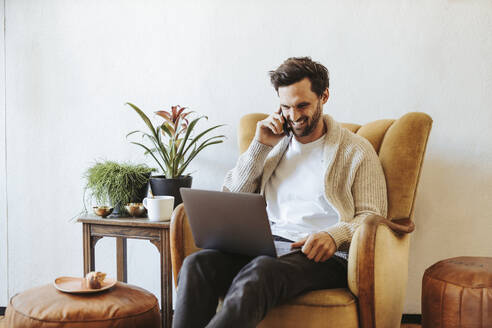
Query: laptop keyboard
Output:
(283,248)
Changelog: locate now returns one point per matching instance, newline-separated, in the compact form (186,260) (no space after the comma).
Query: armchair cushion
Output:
(319,308)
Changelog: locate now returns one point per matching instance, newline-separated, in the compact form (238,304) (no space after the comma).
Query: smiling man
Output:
(319,180)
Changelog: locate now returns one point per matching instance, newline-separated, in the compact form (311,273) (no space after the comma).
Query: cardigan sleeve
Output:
(369,195)
(246,175)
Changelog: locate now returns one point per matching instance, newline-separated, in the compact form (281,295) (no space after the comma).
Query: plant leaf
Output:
(186,114)
(173,116)
(156,143)
(190,128)
(198,149)
(168,119)
(195,140)
(144,118)
(162,149)
(164,114)
(181,110)
(150,152)
(182,129)
(192,155)
(129,134)
(168,128)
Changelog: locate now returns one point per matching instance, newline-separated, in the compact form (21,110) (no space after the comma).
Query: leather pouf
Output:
(122,306)
(457,292)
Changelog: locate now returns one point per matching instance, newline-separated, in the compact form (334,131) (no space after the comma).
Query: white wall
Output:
(71,65)
(3,185)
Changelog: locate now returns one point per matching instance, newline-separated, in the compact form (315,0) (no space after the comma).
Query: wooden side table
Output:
(95,228)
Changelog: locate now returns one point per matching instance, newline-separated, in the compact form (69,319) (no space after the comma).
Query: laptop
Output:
(232,222)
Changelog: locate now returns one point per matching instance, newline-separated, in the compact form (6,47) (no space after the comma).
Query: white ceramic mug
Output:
(159,208)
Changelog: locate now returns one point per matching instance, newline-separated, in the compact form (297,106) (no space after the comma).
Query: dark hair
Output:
(295,69)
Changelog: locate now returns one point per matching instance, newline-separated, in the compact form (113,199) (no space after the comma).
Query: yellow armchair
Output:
(378,255)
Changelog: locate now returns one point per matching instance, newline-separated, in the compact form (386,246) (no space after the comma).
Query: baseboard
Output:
(411,318)
(2,310)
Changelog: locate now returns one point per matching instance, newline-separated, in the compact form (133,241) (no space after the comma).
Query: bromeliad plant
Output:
(173,145)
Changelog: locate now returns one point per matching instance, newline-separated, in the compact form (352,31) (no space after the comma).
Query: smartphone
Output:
(285,125)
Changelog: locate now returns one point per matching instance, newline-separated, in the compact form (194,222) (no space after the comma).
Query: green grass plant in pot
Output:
(173,144)
(116,184)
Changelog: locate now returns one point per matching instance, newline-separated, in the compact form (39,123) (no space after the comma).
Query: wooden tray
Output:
(77,285)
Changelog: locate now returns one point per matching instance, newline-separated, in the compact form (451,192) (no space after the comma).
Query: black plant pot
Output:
(161,186)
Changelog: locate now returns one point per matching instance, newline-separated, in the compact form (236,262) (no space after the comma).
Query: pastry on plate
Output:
(94,279)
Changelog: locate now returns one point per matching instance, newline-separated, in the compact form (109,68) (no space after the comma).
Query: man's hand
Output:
(318,246)
(270,130)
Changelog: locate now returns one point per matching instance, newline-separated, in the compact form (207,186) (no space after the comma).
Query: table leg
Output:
(166,280)
(88,246)
(121,263)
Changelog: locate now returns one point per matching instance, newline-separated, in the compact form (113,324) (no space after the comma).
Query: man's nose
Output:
(294,114)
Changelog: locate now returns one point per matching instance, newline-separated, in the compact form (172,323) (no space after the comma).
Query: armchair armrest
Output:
(378,269)
(182,242)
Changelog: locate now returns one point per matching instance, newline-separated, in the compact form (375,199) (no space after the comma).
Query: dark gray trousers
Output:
(249,286)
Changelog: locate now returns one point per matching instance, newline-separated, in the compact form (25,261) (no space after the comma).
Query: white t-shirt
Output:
(295,193)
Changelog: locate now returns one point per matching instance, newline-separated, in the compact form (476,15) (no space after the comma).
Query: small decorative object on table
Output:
(102,211)
(173,147)
(135,209)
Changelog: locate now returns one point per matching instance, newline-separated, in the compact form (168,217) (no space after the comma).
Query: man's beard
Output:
(311,123)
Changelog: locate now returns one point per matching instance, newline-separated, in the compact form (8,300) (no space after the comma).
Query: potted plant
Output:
(116,184)
(173,145)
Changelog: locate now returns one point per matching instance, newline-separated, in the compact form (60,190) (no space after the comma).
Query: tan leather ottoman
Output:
(457,292)
(122,306)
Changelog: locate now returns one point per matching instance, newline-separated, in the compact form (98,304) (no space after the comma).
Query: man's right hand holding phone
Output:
(271,130)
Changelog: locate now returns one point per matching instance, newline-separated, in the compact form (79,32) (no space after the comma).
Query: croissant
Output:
(94,279)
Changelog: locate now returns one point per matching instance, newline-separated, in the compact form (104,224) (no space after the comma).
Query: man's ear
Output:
(325,96)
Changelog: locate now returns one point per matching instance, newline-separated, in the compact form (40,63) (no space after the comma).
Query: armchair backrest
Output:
(399,143)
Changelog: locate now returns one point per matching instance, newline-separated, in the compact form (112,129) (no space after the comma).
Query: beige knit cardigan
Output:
(354,181)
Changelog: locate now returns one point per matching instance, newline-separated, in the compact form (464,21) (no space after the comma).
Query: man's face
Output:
(301,107)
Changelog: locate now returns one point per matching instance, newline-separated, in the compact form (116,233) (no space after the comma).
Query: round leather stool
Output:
(457,292)
(122,306)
